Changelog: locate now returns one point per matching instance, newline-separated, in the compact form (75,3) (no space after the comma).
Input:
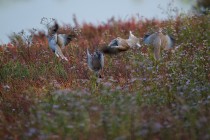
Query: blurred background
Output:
(16,15)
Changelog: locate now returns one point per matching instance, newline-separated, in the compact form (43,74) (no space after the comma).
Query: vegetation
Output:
(202,6)
(42,97)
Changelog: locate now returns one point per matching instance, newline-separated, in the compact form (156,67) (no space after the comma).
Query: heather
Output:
(43,97)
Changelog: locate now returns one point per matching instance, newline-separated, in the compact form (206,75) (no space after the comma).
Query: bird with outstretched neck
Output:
(119,44)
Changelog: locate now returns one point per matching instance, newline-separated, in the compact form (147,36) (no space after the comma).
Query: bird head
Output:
(133,41)
(52,30)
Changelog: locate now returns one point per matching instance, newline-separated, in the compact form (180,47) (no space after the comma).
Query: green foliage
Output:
(13,70)
(59,71)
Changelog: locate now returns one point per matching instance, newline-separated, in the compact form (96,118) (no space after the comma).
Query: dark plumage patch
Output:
(114,43)
(55,27)
(172,39)
(145,36)
(53,30)
(99,54)
(70,37)
(108,50)
(99,75)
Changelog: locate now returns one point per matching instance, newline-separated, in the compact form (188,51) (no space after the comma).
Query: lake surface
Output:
(16,15)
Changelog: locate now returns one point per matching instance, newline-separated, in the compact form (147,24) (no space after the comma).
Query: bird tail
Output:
(157,52)
(98,75)
(109,50)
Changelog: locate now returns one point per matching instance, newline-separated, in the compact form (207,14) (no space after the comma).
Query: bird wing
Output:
(149,38)
(109,50)
(52,42)
(89,59)
(69,38)
(114,42)
(102,59)
(58,52)
(65,39)
(114,49)
(115,46)
(170,41)
(122,47)
(61,40)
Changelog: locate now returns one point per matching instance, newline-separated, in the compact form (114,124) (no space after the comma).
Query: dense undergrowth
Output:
(42,97)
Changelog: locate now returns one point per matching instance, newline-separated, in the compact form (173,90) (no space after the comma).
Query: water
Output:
(16,15)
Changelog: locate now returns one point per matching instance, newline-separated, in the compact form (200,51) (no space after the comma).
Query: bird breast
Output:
(96,64)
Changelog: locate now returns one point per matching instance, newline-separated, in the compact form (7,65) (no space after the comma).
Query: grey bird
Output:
(119,44)
(95,62)
(57,41)
(159,41)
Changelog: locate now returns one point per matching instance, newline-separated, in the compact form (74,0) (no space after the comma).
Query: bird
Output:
(52,41)
(119,44)
(159,41)
(57,41)
(95,62)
